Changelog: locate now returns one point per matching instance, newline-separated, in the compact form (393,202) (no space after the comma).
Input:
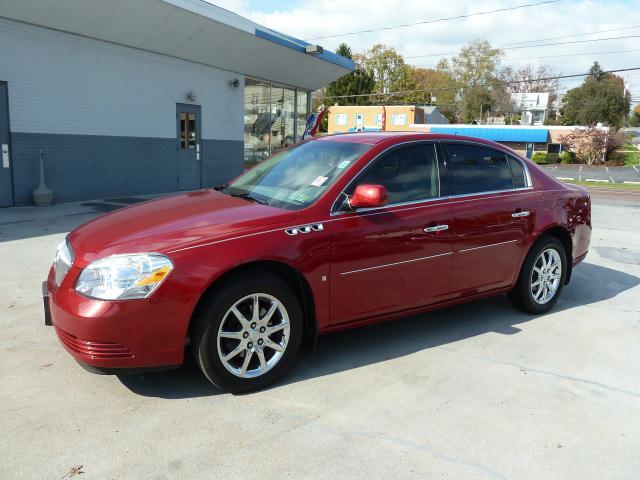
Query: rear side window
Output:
(408,174)
(517,172)
(477,169)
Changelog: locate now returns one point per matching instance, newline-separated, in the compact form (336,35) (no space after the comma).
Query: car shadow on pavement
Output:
(18,223)
(378,343)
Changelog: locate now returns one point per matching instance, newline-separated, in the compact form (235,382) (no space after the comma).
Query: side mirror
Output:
(368,196)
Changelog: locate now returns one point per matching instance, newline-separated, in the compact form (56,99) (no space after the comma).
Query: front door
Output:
(395,257)
(529,150)
(189,147)
(6,184)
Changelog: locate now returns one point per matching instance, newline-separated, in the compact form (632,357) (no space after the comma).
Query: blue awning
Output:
(540,135)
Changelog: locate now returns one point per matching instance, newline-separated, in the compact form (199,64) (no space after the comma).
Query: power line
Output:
(429,90)
(587,40)
(430,65)
(575,54)
(457,17)
(573,35)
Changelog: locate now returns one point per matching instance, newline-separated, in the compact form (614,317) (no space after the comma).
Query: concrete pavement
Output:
(479,391)
(587,173)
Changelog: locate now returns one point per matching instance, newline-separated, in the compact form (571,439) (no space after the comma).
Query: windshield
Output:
(298,176)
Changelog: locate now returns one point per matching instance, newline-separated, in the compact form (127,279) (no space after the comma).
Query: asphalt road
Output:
(479,391)
(585,173)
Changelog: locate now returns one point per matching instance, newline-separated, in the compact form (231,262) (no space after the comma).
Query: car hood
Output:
(170,223)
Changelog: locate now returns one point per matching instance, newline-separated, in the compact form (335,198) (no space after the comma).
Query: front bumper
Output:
(127,334)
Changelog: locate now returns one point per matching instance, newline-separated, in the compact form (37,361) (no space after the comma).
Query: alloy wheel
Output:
(546,276)
(253,335)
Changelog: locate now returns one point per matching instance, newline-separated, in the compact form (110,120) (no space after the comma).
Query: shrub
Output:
(615,159)
(553,157)
(567,157)
(539,157)
(589,144)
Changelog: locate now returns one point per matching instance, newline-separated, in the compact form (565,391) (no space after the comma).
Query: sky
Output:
(571,19)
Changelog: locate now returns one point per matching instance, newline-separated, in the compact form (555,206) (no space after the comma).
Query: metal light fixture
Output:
(313,49)
(235,83)
(191,96)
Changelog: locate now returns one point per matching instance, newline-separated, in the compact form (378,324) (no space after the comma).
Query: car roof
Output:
(371,138)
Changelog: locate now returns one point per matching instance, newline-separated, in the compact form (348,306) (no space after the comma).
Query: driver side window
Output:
(408,173)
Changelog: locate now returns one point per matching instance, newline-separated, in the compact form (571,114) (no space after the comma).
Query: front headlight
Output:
(63,261)
(124,277)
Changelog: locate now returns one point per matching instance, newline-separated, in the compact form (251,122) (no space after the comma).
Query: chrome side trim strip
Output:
(492,192)
(391,205)
(486,246)
(395,263)
(449,200)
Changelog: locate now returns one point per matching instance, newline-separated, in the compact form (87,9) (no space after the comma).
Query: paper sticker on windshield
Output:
(299,197)
(318,181)
(343,164)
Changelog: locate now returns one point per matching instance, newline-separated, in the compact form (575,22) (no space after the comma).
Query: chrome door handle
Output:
(437,228)
(525,213)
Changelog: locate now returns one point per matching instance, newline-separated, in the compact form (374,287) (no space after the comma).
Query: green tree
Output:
(388,68)
(634,118)
(433,87)
(476,103)
(601,98)
(596,72)
(475,73)
(358,82)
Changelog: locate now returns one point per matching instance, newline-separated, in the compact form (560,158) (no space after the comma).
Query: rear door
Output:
(6,183)
(189,145)
(392,258)
(494,213)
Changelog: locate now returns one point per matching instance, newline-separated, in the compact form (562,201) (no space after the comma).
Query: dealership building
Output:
(146,96)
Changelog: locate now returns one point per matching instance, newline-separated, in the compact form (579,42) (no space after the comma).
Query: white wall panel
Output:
(62,83)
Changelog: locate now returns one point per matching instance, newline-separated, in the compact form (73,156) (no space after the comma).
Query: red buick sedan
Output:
(331,234)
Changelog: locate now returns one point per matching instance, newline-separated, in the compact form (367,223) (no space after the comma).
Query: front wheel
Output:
(248,333)
(542,277)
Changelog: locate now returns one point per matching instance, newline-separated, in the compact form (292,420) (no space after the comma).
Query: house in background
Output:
(533,107)
(433,116)
(369,118)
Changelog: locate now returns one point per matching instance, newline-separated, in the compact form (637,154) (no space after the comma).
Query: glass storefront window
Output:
(257,121)
(282,114)
(274,118)
(302,113)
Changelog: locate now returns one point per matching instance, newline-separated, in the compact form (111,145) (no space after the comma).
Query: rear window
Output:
(479,169)
(517,172)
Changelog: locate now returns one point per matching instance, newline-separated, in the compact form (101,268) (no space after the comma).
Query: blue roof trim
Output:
(539,135)
(299,45)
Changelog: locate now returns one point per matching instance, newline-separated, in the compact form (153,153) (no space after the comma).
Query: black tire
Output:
(211,313)
(521,296)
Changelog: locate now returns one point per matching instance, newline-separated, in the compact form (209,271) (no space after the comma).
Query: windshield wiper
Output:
(248,196)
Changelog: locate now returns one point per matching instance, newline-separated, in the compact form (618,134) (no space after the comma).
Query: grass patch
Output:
(613,186)
(631,158)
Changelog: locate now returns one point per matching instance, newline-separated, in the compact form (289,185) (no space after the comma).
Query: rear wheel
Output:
(248,333)
(542,277)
